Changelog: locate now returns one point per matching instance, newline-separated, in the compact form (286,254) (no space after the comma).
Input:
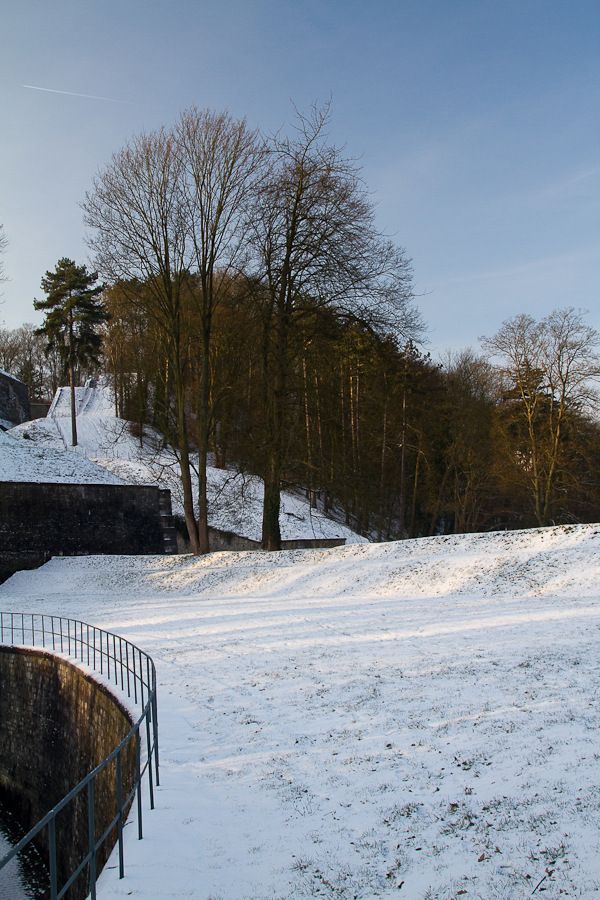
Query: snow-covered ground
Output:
(22,460)
(235,500)
(416,719)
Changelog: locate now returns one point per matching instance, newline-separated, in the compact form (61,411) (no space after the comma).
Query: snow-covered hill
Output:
(235,500)
(23,460)
(416,719)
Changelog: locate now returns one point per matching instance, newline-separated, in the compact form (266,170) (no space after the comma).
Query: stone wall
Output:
(57,725)
(14,402)
(228,540)
(43,520)
(39,408)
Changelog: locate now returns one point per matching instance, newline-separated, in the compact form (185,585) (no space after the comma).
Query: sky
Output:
(476,124)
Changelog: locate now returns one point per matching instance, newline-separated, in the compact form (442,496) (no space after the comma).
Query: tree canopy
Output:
(74,315)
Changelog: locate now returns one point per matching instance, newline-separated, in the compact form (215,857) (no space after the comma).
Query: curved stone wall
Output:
(56,725)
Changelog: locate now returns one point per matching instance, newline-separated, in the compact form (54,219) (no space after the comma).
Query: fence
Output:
(132,672)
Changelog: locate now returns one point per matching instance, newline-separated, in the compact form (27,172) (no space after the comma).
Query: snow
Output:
(235,500)
(8,375)
(22,460)
(415,719)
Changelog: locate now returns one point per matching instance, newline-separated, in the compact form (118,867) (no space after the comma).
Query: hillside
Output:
(45,461)
(415,719)
(235,500)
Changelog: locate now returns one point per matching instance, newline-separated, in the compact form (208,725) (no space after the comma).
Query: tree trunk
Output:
(271,532)
(73,407)
(184,463)
(72,380)
(402,486)
(204,418)
(276,387)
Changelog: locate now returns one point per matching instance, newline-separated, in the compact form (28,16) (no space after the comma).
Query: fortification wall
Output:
(42,520)
(14,402)
(57,725)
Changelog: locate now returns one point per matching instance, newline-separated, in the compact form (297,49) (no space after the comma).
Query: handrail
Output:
(133,673)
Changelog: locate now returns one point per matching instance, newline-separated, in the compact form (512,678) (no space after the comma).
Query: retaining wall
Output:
(14,403)
(228,540)
(42,520)
(57,724)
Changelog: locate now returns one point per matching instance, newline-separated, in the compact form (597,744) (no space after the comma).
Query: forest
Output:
(254,315)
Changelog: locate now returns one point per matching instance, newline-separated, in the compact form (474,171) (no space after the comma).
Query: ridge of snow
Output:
(12,377)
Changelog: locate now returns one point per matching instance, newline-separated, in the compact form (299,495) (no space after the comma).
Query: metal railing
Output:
(132,671)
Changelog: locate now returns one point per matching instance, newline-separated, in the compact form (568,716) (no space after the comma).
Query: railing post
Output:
(141,678)
(149,746)
(127,667)
(119,777)
(138,766)
(92,836)
(155,730)
(121,659)
(134,675)
(52,858)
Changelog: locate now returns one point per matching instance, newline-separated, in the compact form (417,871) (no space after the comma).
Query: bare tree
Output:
(220,159)
(315,244)
(550,368)
(140,236)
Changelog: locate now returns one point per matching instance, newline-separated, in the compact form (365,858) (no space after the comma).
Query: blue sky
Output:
(477,125)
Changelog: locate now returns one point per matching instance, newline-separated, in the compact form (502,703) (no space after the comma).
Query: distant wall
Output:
(14,402)
(42,520)
(228,540)
(57,725)
(39,408)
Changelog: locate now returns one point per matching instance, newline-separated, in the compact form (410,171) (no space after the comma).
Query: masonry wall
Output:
(43,520)
(57,724)
(228,540)
(14,402)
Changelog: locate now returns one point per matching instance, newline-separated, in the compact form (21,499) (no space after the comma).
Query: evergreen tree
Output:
(74,314)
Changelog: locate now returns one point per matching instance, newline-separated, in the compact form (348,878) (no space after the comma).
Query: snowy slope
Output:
(22,460)
(416,719)
(235,501)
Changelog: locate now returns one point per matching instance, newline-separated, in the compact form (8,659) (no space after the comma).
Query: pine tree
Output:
(74,313)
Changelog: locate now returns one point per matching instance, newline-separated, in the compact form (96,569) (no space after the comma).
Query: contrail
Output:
(34,87)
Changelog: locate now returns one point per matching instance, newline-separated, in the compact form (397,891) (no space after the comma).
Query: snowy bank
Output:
(416,719)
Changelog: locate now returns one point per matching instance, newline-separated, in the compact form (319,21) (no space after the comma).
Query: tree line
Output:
(376,431)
